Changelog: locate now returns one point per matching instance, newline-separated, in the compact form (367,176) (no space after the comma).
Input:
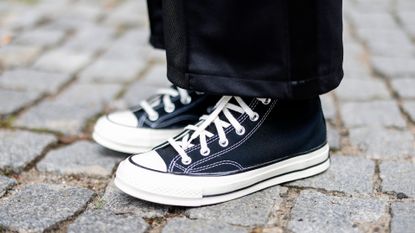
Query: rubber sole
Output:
(188,190)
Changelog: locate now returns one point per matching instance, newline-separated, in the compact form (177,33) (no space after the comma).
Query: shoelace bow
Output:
(165,95)
(200,129)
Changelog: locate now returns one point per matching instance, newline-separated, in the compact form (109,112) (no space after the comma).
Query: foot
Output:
(242,146)
(161,117)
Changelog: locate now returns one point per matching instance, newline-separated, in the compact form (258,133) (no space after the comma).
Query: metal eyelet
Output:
(205,152)
(169,109)
(255,117)
(223,143)
(267,101)
(186,162)
(240,131)
(153,117)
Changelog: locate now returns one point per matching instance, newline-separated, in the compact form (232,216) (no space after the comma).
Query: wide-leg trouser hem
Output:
(222,85)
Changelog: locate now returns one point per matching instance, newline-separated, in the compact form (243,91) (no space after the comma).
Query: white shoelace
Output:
(165,95)
(200,129)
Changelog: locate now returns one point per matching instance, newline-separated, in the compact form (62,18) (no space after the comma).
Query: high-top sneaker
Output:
(242,146)
(154,121)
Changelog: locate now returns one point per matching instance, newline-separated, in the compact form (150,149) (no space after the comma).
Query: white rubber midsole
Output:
(187,190)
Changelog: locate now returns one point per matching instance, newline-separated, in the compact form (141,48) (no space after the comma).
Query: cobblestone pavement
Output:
(65,62)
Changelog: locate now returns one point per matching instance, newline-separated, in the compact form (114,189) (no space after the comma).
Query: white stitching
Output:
(217,164)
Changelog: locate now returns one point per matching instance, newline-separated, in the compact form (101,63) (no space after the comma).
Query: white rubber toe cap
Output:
(125,118)
(151,160)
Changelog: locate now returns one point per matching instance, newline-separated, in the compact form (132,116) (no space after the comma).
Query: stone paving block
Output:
(134,37)
(394,67)
(30,79)
(403,217)
(333,137)
(348,174)
(17,55)
(138,92)
(200,226)
(409,108)
(251,210)
(69,112)
(355,67)
(91,39)
(86,10)
(329,107)
(19,148)
(381,143)
(126,52)
(112,71)
(63,60)
(374,113)
(102,221)
(157,76)
(317,212)
(24,18)
(398,177)
(404,87)
(81,158)
(44,38)
(130,13)
(369,20)
(68,24)
(12,101)
(120,203)
(39,207)
(5,184)
(367,89)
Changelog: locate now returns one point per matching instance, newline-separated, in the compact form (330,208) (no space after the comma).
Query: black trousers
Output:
(264,48)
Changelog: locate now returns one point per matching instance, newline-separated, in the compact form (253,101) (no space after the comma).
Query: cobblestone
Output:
(81,158)
(252,210)
(409,107)
(5,184)
(34,207)
(63,60)
(398,177)
(29,79)
(358,114)
(403,217)
(43,38)
(394,67)
(200,226)
(404,87)
(121,203)
(66,116)
(366,89)
(346,174)
(317,212)
(91,39)
(101,221)
(329,107)
(157,76)
(17,56)
(19,148)
(333,137)
(112,71)
(12,101)
(380,143)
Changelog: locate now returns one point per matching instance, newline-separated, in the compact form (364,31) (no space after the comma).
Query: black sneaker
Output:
(154,121)
(243,146)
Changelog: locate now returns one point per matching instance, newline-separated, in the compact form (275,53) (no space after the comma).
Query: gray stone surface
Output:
(374,113)
(157,76)
(365,89)
(5,184)
(112,71)
(19,148)
(17,55)
(329,107)
(346,174)
(39,207)
(42,37)
(316,212)
(90,38)
(33,80)
(404,87)
(102,221)
(81,158)
(333,137)
(398,177)
(120,203)
(409,108)
(394,67)
(138,92)
(12,101)
(68,112)
(381,143)
(251,210)
(403,217)
(200,226)
(63,60)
